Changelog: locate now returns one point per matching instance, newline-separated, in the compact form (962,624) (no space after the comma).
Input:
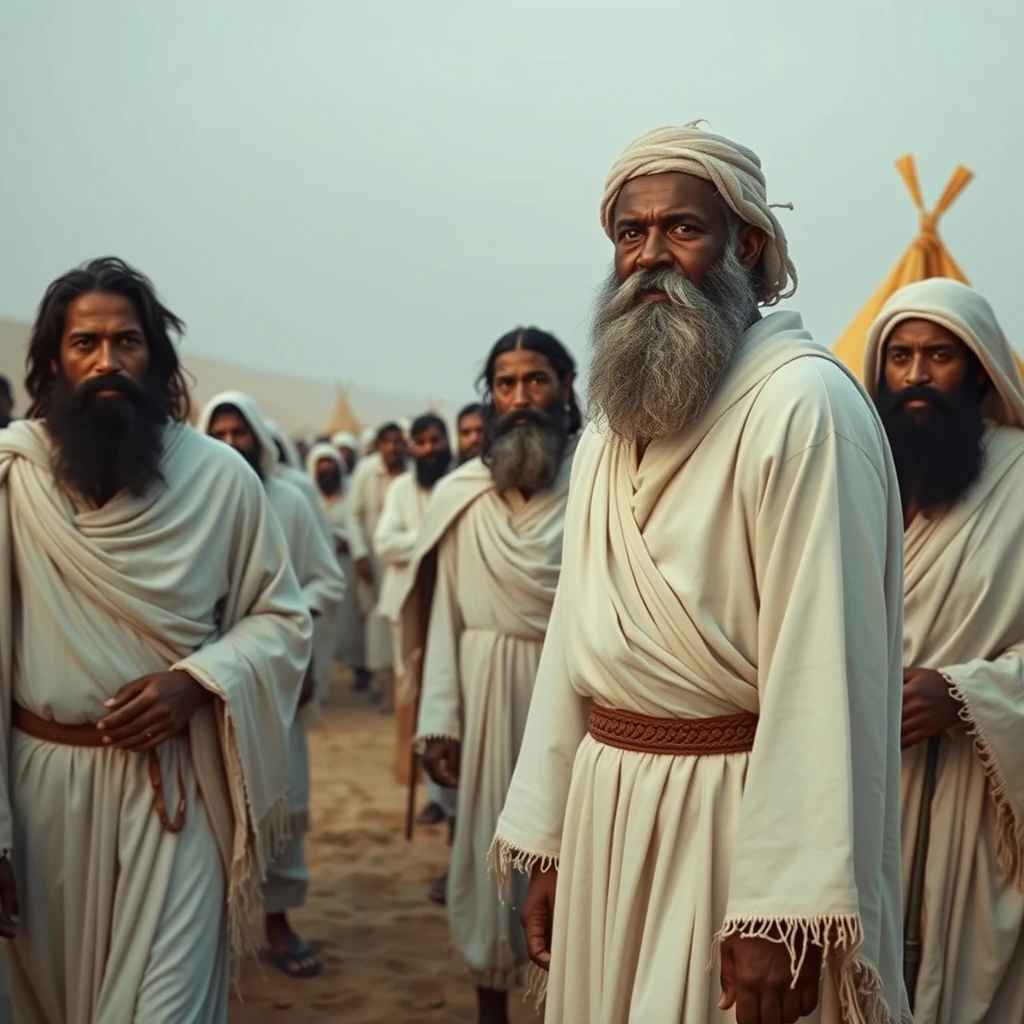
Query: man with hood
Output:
(326,468)
(952,402)
(235,419)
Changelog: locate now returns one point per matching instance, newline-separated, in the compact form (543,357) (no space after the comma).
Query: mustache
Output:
(897,401)
(523,417)
(118,382)
(626,295)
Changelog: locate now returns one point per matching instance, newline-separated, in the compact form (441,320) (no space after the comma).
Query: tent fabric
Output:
(343,418)
(926,257)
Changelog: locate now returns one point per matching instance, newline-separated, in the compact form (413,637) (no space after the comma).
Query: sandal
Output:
(288,962)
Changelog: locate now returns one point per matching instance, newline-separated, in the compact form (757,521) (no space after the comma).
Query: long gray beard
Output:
(656,365)
(527,458)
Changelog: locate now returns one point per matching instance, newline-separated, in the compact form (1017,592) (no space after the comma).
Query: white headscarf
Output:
(367,439)
(734,170)
(324,451)
(250,412)
(345,440)
(966,314)
(291,454)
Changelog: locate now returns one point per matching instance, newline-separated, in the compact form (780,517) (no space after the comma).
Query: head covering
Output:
(344,439)
(250,411)
(967,314)
(291,454)
(734,170)
(367,439)
(324,451)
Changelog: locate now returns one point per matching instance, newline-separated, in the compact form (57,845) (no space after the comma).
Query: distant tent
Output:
(926,257)
(342,417)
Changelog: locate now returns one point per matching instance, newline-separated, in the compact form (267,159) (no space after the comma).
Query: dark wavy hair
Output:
(425,422)
(532,339)
(109,275)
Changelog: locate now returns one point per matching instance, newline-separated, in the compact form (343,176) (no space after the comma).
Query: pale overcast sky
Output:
(376,191)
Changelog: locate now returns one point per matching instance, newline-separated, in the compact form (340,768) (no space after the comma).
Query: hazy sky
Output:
(375,191)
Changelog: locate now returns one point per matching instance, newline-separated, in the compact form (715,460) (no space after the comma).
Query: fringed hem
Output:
(256,844)
(298,823)
(504,857)
(1009,827)
(840,936)
(419,744)
(536,982)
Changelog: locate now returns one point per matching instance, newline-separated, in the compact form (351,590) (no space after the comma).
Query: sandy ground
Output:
(385,946)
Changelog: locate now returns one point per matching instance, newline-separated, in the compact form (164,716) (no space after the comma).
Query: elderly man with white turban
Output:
(952,402)
(711,761)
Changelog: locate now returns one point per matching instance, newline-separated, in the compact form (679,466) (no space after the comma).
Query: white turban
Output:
(734,170)
(344,439)
(324,451)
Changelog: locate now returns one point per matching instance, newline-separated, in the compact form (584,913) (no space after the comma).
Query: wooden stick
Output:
(915,899)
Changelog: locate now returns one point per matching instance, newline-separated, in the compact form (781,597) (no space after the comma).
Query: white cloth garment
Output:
(964,617)
(483,576)
(750,564)
(121,920)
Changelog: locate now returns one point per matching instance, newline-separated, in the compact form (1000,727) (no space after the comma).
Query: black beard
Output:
(253,458)
(102,446)
(527,456)
(430,468)
(938,450)
(329,481)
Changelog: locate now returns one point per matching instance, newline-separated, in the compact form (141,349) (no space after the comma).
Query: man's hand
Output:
(151,710)
(441,759)
(928,707)
(757,981)
(9,908)
(538,915)
(308,687)
(364,570)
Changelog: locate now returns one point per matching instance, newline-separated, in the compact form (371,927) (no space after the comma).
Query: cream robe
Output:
(965,617)
(753,564)
(496,563)
(370,483)
(349,642)
(319,576)
(394,539)
(121,920)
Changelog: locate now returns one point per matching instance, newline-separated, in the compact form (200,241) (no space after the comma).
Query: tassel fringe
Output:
(1009,827)
(840,936)
(504,858)
(419,744)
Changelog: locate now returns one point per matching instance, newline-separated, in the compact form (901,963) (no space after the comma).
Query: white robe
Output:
(370,483)
(120,920)
(964,617)
(349,642)
(750,564)
(496,561)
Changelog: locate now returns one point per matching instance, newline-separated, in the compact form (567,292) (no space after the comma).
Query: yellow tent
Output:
(342,417)
(926,257)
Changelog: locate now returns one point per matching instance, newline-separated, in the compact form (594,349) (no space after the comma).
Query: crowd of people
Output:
(724,668)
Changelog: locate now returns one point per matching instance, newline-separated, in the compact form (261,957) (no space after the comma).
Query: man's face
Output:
(526,380)
(923,354)
(102,336)
(428,443)
(471,436)
(328,476)
(349,455)
(678,222)
(233,429)
(392,450)
(432,454)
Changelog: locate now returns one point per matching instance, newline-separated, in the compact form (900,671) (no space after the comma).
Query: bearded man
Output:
(235,419)
(470,432)
(952,402)
(373,477)
(327,470)
(480,588)
(153,641)
(732,570)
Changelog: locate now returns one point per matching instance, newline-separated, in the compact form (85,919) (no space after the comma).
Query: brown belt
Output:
(689,737)
(49,731)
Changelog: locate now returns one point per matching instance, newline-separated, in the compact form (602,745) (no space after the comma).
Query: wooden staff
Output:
(915,900)
(414,771)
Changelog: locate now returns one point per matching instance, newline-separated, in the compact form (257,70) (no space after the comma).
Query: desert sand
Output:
(385,946)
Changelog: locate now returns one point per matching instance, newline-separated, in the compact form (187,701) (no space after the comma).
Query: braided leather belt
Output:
(687,737)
